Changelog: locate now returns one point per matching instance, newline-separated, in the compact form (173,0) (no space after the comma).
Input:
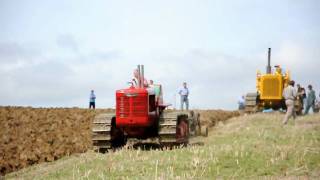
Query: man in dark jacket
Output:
(92,101)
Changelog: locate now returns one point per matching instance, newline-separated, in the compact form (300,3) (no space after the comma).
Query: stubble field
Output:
(246,147)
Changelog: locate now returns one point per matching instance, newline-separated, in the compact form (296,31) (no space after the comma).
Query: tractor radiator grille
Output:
(271,88)
(140,106)
(123,106)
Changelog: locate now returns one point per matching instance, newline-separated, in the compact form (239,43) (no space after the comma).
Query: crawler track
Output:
(251,103)
(173,129)
(101,132)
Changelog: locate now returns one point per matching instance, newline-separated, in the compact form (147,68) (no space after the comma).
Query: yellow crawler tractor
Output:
(269,90)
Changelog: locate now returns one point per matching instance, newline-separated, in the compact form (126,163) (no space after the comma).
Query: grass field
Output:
(247,146)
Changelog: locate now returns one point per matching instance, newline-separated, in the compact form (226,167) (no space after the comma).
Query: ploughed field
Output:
(34,135)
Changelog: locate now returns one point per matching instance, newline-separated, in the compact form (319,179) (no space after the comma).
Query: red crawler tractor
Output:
(140,115)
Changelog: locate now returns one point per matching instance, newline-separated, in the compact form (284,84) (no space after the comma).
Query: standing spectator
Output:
(184,93)
(301,93)
(241,103)
(290,94)
(151,85)
(301,96)
(317,105)
(311,98)
(92,102)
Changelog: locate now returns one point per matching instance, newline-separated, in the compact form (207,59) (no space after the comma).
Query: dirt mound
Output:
(34,135)
(212,117)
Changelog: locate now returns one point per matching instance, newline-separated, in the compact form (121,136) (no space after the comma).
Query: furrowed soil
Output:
(33,135)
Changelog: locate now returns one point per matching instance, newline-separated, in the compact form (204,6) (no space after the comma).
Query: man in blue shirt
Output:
(184,93)
(92,102)
(241,103)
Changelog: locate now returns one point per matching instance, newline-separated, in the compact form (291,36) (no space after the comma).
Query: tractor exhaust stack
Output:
(269,66)
(140,76)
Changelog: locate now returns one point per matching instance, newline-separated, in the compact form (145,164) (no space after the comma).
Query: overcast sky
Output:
(52,53)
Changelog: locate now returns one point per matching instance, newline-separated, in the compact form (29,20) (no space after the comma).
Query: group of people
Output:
(308,100)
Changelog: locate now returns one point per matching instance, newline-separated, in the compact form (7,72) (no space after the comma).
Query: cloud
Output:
(301,59)
(215,47)
(30,78)
(216,80)
(12,52)
(67,41)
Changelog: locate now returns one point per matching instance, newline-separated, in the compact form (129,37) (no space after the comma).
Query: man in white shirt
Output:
(289,94)
(184,93)
(135,79)
(151,85)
